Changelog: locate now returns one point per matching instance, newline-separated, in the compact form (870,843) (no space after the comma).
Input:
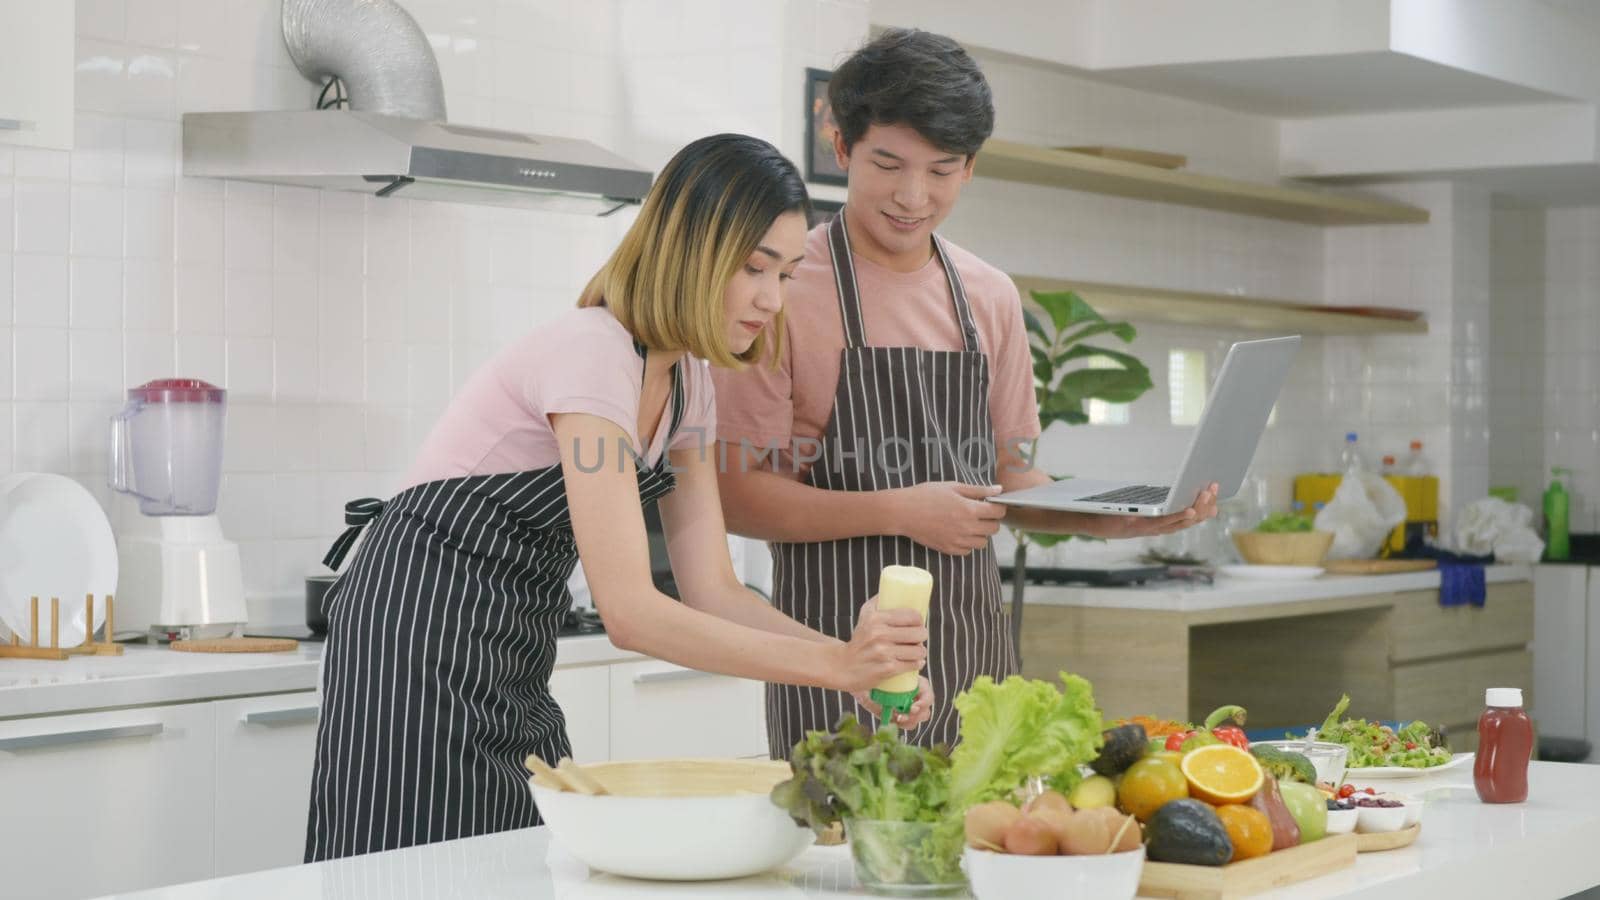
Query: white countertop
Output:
(145,675)
(1542,848)
(1227,593)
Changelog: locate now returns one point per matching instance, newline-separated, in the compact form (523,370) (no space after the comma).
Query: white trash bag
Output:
(1492,525)
(1361,514)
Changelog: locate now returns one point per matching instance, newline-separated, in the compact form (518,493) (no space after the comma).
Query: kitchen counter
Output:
(145,675)
(1232,593)
(1542,848)
(1285,650)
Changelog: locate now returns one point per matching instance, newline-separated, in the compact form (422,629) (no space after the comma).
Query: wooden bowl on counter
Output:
(1291,548)
(675,819)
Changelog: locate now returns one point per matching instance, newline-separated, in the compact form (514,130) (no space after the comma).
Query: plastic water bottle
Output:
(1350,456)
(1417,465)
(1389,467)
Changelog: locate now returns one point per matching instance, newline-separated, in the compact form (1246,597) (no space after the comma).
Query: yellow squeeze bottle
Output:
(902,587)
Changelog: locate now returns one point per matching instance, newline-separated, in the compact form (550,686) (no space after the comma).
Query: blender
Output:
(180,577)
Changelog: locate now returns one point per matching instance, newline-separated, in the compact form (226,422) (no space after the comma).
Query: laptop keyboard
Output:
(1133,495)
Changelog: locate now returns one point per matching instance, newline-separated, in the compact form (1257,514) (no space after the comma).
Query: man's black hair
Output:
(906,76)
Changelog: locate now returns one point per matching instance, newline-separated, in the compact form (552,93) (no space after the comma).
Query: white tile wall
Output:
(341,324)
(1546,330)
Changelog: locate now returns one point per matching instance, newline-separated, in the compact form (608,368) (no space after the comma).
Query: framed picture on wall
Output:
(822,167)
(822,211)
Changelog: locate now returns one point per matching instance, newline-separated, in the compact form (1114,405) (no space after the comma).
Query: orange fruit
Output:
(1221,774)
(1148,785)
(1248,828)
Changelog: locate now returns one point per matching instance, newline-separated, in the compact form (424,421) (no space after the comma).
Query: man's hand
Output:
(948,516)
(1205,507)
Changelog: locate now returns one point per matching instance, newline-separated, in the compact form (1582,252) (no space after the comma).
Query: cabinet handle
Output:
(15,125)
(290,716)
(671,675)
(83,736)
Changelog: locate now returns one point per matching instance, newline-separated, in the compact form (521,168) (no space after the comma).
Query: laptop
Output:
(1224,443)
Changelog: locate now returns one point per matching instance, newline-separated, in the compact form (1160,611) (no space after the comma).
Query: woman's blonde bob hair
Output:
(702,219)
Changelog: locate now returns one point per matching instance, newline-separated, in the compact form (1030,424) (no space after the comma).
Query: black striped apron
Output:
(436,671)
(901,416)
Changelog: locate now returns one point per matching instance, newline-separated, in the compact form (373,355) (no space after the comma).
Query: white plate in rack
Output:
(55,541)
(1270,573)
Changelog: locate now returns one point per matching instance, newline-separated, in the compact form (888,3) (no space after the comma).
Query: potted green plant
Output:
(1064,378)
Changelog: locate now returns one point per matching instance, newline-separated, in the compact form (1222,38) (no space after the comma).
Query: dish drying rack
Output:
(90,647)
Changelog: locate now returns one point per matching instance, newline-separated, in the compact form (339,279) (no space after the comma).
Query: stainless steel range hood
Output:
(395,140)
(395,156)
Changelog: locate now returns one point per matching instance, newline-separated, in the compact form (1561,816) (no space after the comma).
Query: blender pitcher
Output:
(166,446)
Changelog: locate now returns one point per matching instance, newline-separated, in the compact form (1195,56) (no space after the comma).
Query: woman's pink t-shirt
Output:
(583,362)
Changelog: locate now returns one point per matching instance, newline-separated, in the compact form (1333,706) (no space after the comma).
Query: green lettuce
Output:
(1019,729)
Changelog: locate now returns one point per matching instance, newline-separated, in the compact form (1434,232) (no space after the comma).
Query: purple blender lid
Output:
(177,390)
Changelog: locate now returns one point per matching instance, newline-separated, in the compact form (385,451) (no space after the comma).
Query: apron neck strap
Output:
(674,400)
(844,280)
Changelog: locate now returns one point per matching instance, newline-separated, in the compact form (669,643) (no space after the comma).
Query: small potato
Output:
(1086,833)
(1030,837)
(987,824)
(1049,800)
(1131,836)
(1056,820)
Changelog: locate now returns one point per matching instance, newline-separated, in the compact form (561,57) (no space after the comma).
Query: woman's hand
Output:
(921,709)
(884,643)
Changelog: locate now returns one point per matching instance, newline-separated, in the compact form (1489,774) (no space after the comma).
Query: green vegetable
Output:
(1010,733)
(1372,744)
(1231,714)
(1279,523)
(1018,729)
(1285,765)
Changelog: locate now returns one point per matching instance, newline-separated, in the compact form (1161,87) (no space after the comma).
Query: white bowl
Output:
(1342,821)
(1327,758)
(1413,807)
(1002,876)
(1374,819)
(676,820)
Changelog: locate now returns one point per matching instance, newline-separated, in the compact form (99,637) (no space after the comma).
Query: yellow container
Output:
(904,587)
(1420,493)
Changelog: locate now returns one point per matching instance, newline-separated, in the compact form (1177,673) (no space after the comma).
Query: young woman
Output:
(442,631)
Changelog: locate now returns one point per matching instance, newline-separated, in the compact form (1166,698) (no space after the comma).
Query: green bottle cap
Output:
(893,702)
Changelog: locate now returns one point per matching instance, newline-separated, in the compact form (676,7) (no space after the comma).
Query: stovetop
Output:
(580,621)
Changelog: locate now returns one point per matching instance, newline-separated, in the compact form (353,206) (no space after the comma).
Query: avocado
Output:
(1188,832)
(1285,765)
(1124,746)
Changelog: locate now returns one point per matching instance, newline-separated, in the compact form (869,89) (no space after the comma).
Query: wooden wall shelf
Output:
(1140,304)
(1012,161)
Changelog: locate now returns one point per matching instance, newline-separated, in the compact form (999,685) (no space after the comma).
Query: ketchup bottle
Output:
(1505,744)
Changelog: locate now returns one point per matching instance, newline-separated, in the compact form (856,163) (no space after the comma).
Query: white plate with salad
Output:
(1380,751)
(1389,772)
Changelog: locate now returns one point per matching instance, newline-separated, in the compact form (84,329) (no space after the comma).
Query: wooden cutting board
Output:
(1241,879)
(236,645)
(1377,566)
(1388,840)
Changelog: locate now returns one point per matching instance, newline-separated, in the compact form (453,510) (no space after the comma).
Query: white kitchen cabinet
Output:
(661,710)
(37,73)
(107,801)
(265,748)
(584,696)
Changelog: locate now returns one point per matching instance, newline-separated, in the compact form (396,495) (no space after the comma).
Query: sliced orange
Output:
(1222,773)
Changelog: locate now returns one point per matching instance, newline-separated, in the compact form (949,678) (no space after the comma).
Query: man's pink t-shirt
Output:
(583,362)
(775,408)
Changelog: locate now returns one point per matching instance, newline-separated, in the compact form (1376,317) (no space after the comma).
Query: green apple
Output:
(1308,806)
(1093,792)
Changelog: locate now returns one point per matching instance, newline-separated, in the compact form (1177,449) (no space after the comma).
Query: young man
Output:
(903,392)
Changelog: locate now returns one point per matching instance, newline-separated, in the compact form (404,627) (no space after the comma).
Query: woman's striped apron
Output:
(436,671)
(901,416)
